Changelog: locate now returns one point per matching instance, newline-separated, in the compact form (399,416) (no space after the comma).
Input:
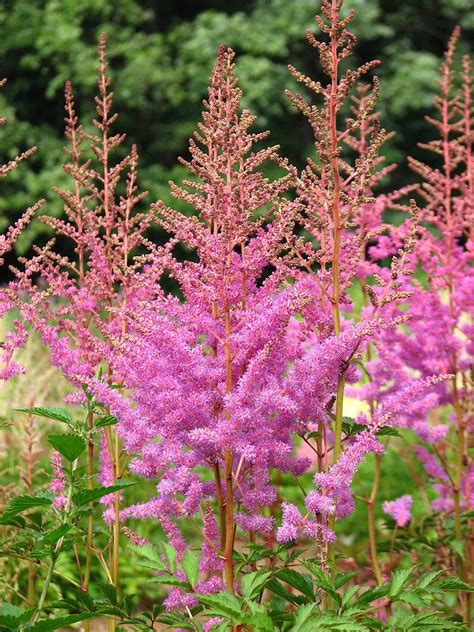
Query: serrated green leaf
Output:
(429,578)
(23,503)
(170,556)
(371,595)
(190,566)
(108,420)
(303,614)
(328,622)
(343,578)
(48,625)
(297,580)
(68,444)
(399,578)
(222,604)
(58,414)
(86,496)
(152,555)
(253,583)
(424,621)
(275,587)
(453,583)
(413,598)
(260,622)
(348,595)
(109,592)
(313,435)
(53,536)
(388,432)
(168,580)
(322,579)
(12,616)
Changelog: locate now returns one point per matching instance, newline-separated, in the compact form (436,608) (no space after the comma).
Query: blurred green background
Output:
(161,54)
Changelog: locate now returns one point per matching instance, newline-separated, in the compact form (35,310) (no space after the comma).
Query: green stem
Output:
(90,517)
(371,521)
(116,526)
(47,582)
(465,598)
(56,551)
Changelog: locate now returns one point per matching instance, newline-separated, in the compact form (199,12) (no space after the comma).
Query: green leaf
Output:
(259,621)
(371,595)
(12,617)
(303,614)
(343,578)
(222,604)
(170,556)
(413,598)
(58,414)
(152,555)
(388,432)
(313,435)
(22,503)
(168,580)
(297,580)
(69,445)
(398,580)
(459,547)
(275,587)
(53,536)
(429,578)
(453,583)
(190,566)
(108,420)
(425,621)
(348,595)
(328,622)
(86,496)
(322,580)
(109,592)
(47,625)
(254,583)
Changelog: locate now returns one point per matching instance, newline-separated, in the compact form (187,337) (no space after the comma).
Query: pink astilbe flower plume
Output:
(399,509)
(74,302)
(195,367)
(103,223)
(17,336)
(438,337)
(335,217)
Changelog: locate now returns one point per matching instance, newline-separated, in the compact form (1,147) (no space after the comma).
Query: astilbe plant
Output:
(16,337)
(205,372)
(336,209)
(68,297)
(439,334)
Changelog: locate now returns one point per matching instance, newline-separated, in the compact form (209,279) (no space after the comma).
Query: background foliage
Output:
(161,54)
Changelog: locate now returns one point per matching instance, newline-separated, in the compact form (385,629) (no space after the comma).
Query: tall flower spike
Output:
(440,187)
(440,313)
(217,358)
(337,214)
(78,309)
(17,337)
(467,141)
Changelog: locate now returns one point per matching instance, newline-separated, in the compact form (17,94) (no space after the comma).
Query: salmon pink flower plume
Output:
(399,509)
